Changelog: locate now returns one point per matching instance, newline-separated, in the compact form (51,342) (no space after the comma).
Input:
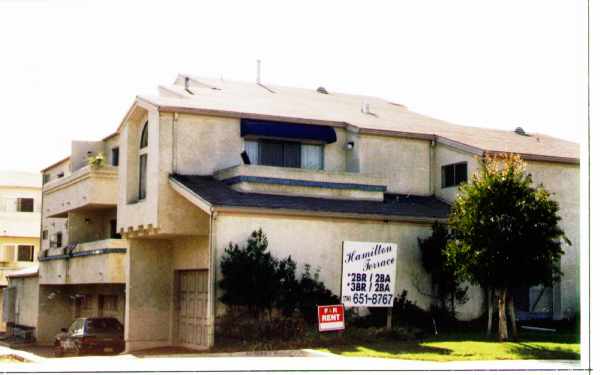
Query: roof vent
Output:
(366,108)
(322,90)
(187,85)
(520,131)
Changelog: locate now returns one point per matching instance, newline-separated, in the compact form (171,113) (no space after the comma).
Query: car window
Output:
(103,326)
(76,328)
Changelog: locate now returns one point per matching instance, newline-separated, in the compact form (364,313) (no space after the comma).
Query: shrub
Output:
(313,292)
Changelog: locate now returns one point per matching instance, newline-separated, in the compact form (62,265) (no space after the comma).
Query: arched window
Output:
(143,153)
(144,137)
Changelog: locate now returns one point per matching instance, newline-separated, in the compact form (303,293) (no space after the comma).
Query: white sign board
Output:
(368,273)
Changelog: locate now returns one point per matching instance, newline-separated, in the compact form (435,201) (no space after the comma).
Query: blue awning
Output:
(275,129)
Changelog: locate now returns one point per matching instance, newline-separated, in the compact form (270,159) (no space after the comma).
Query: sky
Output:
(69,70)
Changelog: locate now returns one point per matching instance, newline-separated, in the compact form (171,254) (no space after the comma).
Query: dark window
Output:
(59,239)
(143,167)
(45,234)
(279,154)
(25,204)
(113,229)
(25,253)
(115,156)
(454,174)
(99,325)
(144,138)
(61,175)
(45,178)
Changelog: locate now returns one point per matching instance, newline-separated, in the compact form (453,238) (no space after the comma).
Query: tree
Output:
(249,274)
(445,281)
(506,232)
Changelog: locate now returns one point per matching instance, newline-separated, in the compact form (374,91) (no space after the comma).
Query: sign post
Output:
(369,275)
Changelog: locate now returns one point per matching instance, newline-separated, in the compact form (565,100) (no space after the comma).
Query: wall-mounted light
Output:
(349,145)
(88,220)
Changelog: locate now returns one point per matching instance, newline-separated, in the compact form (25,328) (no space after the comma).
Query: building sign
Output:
(368,274)
(331,318)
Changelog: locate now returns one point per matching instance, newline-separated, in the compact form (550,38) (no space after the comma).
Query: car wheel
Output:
(58,350)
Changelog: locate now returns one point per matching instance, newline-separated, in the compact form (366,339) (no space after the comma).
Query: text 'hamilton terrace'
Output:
(366,255)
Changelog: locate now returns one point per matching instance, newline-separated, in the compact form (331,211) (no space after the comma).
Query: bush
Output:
(256,281)
(312,292)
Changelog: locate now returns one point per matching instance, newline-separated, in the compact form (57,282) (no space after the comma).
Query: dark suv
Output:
(90,335)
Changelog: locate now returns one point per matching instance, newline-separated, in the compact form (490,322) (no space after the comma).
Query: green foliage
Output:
(313,292)
(96,161)
(506,232)
(249,274)
(444,271)
(258,282)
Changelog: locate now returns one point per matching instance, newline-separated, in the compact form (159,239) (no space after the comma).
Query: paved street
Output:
(312,362)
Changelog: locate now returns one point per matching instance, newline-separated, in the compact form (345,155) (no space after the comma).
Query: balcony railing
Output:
(87,187)
(94,262)
(303,182)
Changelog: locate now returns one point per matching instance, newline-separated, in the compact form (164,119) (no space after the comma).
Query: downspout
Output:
(212,277)
(432,167)
(174,143)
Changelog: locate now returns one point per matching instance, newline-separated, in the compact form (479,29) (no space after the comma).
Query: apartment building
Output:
(205,162)
(20,202)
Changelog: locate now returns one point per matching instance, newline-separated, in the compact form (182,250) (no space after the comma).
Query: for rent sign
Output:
(331,318)
(368,273)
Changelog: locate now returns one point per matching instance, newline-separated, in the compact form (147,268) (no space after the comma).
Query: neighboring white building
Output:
(20,203)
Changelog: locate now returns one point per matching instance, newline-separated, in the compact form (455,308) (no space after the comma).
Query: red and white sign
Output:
(331,318)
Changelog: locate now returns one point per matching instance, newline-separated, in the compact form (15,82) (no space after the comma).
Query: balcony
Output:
(97,262)
(86,188)
(303,182)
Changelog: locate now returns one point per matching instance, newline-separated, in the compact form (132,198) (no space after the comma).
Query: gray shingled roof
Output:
(218,194)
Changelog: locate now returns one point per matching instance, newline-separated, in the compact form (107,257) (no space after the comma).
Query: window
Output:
(45,178)
(25,253)
(285,154)
(45,234)
(115,156)
(143,168)
(25,204)
(60,175)
(454,174)
(59,239)
(144,137)
(143,162)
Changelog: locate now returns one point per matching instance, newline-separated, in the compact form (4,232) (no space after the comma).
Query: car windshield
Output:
(103,326)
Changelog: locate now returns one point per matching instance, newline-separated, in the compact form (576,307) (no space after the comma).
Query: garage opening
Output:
(191,308)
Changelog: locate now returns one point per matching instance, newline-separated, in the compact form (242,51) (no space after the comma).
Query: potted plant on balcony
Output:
(96,161)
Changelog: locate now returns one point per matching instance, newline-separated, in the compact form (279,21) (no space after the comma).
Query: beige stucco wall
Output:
(562,180)
(86,187)
(404,163)
(97,226)
(151,268)
(444,155)
(93,269)
(318,242)
(62,167)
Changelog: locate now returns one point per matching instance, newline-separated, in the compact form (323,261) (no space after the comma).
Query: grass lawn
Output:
(462,347)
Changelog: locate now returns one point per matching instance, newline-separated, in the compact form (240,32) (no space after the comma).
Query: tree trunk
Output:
(513,316)
(490,309)
(502,327)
